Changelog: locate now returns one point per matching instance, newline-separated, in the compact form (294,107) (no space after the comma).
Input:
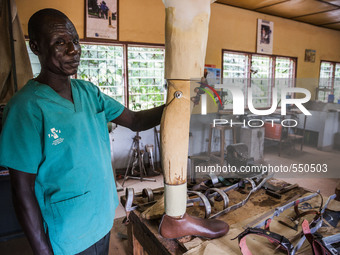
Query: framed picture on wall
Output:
(265,30)
(101,19)
(310,55)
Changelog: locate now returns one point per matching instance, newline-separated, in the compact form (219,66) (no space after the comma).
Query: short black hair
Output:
(37,19)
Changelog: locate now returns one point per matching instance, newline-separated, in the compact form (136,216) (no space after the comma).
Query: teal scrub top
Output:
(67,146)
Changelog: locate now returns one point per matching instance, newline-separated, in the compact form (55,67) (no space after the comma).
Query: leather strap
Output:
(302,214)
(317,246)
(275,238)
(267,224)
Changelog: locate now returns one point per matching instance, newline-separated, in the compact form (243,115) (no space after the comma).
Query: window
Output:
(146,77)
(104,65)
(261,80)
(284,74)
(35,64)
(235,69)
(260,72)
(329,82)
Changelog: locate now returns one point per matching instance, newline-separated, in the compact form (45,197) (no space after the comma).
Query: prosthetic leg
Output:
(186,34)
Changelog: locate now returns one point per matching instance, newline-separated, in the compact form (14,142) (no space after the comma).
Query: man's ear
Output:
(34,47)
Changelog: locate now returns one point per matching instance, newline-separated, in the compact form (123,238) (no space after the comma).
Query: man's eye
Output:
(59,42)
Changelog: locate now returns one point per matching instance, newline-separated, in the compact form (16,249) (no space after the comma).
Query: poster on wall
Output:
(101,19)
(265,31)
(213,75)
(310,55)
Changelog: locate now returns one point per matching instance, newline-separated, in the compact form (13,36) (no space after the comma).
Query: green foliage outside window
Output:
(104,66)
(146,77)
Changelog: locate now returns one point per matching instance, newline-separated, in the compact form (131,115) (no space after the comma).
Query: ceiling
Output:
(323,13)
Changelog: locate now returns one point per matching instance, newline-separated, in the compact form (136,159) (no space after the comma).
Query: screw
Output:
(178,94)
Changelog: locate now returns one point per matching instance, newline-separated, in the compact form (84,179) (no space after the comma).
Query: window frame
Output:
(334,64)
(272,71)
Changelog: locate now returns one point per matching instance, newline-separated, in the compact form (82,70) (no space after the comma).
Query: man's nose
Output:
(73,48)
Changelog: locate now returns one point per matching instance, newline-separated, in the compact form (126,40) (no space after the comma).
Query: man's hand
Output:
(28,211)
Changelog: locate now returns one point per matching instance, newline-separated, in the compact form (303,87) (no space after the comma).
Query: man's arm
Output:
(28,212)
(142,120)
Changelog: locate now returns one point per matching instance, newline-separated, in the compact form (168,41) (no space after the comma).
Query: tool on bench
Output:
(298,214)
(204,201)
(332,244)
(276,191)
(237,155)
(130,197)
(243,202)
(129,194)
(332,218)
(213,181)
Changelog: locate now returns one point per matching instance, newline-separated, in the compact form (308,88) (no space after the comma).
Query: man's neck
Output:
(60,84)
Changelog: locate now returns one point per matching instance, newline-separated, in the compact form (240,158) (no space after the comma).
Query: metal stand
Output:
(157,147)
(136,159)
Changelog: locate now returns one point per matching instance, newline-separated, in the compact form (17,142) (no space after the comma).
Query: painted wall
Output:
(230,28)
(139,21)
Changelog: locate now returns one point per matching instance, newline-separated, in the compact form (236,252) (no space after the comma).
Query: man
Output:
(55,143)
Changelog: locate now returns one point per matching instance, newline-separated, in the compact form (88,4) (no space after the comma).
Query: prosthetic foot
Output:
(172,227)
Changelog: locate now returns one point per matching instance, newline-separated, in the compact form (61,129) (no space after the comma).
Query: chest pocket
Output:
(101,124)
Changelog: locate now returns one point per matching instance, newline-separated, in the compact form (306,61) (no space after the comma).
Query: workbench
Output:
(144,238)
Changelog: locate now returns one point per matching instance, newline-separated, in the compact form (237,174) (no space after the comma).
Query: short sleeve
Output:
(20,141)
(112,108)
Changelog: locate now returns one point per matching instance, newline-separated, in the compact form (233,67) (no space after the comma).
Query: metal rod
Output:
(232,187)
(240,204)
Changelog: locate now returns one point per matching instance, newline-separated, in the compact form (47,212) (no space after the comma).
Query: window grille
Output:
(103,65)
(146,77)
(261,72)
(329,82)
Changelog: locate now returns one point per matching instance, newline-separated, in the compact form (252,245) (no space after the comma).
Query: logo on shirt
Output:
(55,133)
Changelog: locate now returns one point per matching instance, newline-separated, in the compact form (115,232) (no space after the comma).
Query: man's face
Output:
(59,49)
